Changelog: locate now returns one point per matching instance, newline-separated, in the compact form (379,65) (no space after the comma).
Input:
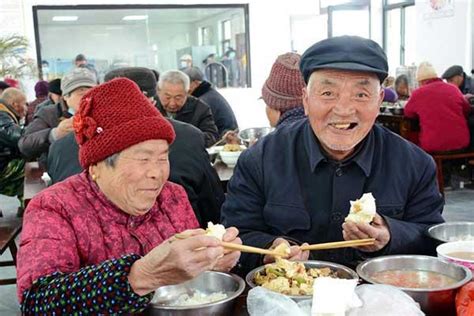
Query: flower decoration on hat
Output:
(84,125)
(85,128)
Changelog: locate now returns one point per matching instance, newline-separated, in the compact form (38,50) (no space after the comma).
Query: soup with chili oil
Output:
(415,279)
(465,255)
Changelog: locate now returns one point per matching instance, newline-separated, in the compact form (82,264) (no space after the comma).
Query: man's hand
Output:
(64,128)
(230,258)
(295,252)
(378,229)
(231,137)
(175,261)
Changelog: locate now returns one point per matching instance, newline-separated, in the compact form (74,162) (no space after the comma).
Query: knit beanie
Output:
(283,90)
(41,88)
(114,116)
(425,71)
(78,77)
(55,86)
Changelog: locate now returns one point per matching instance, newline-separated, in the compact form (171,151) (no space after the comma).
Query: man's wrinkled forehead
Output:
(333,77)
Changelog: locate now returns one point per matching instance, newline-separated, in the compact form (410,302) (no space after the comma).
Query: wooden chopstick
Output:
(250,249)
(222,139)
(241,248)
(340,244)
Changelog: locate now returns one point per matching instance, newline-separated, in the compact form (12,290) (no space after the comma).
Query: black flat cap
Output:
(345,53)
(143,77)
(452,71)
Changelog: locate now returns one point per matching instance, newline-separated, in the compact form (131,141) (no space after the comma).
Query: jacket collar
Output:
(4,107)
(188,106)
(201,89)
(362,156)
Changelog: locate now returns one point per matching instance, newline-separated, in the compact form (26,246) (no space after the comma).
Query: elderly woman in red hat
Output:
(102,241)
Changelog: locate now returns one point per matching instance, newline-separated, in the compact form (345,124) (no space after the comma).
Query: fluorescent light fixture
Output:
(65,18)
(135,17)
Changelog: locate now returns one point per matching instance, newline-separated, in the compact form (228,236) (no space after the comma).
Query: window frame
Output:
(244,6)
(388,7)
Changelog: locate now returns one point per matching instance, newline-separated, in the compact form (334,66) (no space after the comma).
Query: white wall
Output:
(444,41)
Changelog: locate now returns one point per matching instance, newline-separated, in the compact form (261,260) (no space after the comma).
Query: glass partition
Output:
(215,37)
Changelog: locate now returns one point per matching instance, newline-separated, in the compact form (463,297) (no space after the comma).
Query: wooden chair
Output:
(9,229)
(440,157)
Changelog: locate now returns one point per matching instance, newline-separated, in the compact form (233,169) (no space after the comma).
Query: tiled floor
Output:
(459,207)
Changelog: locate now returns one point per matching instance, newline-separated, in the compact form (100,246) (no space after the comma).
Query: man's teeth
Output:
(341,126)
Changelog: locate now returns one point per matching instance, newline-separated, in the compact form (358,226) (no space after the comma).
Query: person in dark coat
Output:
(55,121)
(189,161)
(456,75)
(41,93)
(12,166)
(223,115)
(173,102)
(295,185)
(54,95)
(283,91)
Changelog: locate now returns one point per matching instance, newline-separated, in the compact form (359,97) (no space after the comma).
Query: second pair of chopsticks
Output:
(340,244)
(241,248)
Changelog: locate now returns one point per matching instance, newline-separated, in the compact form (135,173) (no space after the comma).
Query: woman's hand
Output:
(296,254)
(230,258)
(175,261)
(378,229)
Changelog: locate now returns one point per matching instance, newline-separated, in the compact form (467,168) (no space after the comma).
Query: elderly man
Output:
(55,121)
(12,110)
(456,75)
(173,102)
(221,110)
(102,241)
(294,185)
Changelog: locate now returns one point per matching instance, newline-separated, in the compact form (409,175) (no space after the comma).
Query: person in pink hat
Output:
(283,91)
(100,242)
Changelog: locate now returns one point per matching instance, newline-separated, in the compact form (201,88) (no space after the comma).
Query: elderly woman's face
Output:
(137,178)
(342,107)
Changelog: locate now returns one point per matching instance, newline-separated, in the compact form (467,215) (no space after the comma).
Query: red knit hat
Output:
(283,89)
(114,116)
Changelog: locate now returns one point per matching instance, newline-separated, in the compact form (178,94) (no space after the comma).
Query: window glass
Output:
(393,36)
(351,22)
(156,38)
(410,32)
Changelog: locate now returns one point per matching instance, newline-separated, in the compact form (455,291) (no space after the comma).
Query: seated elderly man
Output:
(102,241)
(53,122)
(12,166)
(221,111)
(456,75)
(173,102)
(295,184)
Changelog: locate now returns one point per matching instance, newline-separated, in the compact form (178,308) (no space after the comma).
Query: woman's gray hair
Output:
(111,160)
(174,77)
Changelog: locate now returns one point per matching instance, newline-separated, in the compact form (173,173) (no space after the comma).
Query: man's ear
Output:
(305,101)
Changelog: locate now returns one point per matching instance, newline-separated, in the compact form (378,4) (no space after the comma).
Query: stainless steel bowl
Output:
(208,283)
(439,301)
(451,231)
(343,272)
(251,135)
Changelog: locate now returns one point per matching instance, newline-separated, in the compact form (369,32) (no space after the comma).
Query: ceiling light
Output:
(65,18)
(135,17)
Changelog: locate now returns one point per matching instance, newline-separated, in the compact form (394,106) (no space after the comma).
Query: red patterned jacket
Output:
(72,225)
